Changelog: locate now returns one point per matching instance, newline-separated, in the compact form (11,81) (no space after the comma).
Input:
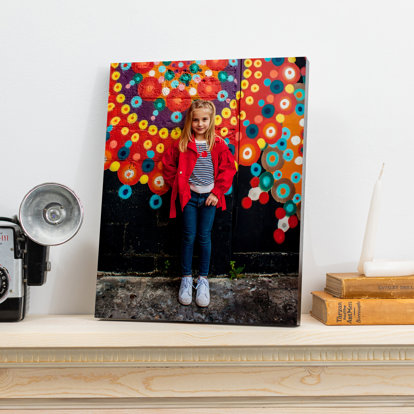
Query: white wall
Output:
(54,69)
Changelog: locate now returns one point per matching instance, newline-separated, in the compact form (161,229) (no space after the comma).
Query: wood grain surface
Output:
(75,363)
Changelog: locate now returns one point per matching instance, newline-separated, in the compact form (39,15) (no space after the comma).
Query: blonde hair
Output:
(187,132)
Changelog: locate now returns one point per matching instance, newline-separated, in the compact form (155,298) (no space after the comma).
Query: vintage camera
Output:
(50,214)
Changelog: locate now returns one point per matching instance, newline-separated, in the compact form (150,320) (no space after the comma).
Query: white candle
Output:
(389,268)
(368,245)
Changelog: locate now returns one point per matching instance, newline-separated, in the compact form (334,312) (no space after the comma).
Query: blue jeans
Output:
(197,223)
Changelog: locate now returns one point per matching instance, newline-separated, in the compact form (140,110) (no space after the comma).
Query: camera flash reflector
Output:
(50,214)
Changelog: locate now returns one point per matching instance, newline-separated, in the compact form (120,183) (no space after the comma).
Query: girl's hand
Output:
(212,200)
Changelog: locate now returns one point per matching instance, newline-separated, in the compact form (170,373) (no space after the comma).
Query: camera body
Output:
(50,214)
(12,278)
(23,263)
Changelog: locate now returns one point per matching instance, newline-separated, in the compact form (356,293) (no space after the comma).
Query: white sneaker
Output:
(185,295)
(203,292)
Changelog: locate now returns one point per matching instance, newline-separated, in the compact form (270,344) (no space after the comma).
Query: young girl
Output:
(198,167)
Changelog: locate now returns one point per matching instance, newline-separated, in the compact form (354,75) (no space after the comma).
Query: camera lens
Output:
(4,284)
(54,213)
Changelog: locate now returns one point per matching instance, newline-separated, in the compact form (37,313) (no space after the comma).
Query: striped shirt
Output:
(202,178)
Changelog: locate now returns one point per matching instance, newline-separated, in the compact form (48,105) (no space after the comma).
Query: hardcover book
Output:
(354,285)
(337,311)
(255,272)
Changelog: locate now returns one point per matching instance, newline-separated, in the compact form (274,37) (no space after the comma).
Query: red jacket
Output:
(178,167)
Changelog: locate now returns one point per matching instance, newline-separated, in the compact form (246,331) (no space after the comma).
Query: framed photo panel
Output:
(255,264)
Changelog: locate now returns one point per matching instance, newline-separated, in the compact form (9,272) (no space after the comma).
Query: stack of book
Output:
(352,299)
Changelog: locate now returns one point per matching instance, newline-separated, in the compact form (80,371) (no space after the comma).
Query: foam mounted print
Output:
(248,184)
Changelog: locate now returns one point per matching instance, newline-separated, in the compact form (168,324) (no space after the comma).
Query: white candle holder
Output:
(384,268)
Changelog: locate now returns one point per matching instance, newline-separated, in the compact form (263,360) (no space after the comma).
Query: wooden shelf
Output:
(78,362)
(86,331)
